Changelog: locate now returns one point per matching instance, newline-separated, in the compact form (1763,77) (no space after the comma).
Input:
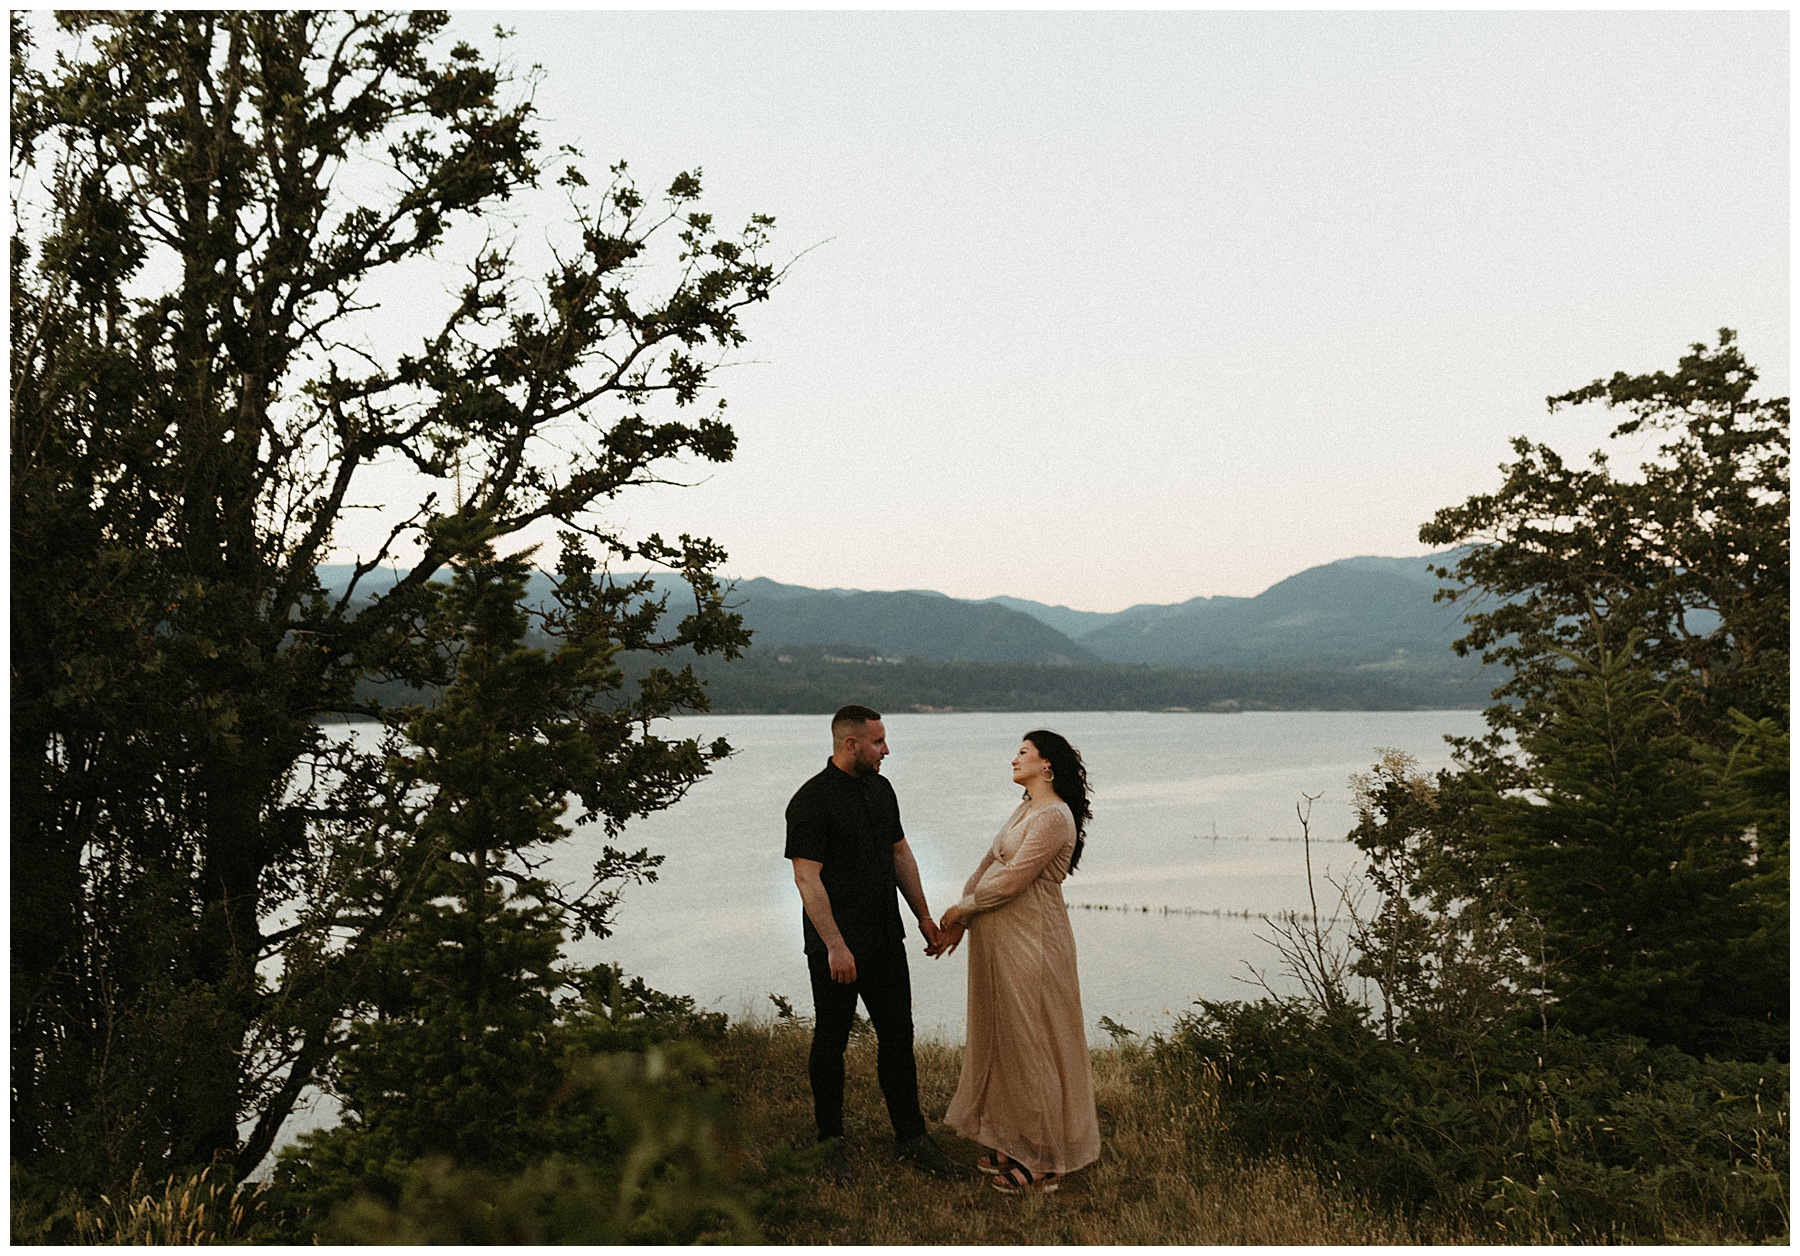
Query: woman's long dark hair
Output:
(1068,777)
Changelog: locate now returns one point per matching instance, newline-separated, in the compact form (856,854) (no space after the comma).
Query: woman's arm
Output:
(954,915)
(987,860)
(1046,834)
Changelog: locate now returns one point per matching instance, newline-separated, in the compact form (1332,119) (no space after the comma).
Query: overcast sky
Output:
(1110,308)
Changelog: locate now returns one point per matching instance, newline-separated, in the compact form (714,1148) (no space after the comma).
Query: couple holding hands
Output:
(1026,1091)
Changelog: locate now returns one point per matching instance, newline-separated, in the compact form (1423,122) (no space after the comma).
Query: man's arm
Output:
(818,910)
(906,876)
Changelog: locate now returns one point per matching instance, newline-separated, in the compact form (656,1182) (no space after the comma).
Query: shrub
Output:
(654,1169)
(606,1127)
(1589,1138)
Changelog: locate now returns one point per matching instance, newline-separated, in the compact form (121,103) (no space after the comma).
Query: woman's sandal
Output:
(1016,1179)
(992,1163)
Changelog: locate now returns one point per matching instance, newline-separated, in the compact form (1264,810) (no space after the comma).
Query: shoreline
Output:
(918,709)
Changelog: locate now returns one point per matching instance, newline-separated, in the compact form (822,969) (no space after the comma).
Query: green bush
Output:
(1552,1135)
(603,1126)
(650,1165)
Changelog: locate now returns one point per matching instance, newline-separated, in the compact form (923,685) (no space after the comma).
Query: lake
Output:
(1193,813)
(1194,819)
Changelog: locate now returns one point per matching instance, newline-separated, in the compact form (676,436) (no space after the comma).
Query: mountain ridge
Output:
(1367,611)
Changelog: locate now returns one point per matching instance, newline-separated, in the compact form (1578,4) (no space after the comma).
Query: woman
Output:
(1026,1089)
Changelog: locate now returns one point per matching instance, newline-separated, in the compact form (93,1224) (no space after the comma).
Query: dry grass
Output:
(185,1211)
(1160,1178)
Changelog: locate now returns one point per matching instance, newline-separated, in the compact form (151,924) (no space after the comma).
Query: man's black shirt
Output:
(850,824)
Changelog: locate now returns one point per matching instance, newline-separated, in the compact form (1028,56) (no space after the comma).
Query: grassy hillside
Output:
(1160,1178)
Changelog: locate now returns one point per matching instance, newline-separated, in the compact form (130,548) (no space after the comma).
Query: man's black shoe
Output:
(924,1154)
(834,1162)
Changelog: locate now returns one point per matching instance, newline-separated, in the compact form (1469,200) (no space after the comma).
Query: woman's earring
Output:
(1049,774)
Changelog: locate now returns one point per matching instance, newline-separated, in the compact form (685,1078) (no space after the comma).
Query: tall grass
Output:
(1161,1177)
(183,1211)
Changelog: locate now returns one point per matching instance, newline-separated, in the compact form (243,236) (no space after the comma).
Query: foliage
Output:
(1449,953)
(189,1210)
(478,1070)
(627,1147)
(1641,864)
(1693,553)
(1580,1138)
(1580,948)
(1641,890)
(212,207)
(602,1124)
(1624,826)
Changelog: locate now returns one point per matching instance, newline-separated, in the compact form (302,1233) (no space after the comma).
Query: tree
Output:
(1597,894)
(1693,555)
(475,1053)
(1446,949)
(1638,861)
(1625,811)
(200,873)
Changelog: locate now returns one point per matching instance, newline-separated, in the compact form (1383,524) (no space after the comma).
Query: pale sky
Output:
(1110,308)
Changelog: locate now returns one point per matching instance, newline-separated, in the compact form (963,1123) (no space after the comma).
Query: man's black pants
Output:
(885,986)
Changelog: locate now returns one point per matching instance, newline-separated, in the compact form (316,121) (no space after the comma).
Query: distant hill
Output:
(1354,613)
(912,624)
(820,678)
(1071,623)
(1357,632)
(1357,612)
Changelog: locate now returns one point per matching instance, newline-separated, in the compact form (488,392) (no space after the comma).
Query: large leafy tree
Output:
(1628,813)
(213,203)
(1691,553)
(1597,892)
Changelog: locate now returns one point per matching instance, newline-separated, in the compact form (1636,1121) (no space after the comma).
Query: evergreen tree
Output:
(1597,894)
(1628,811)
(1632,859)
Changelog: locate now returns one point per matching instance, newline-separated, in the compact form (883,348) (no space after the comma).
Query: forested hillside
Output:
(1358,634)
(1351,613)
(819,679)
(914,624)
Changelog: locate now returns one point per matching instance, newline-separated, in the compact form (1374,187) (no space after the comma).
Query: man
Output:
(850,855)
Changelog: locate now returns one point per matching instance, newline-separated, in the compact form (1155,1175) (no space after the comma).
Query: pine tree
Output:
(1634,861)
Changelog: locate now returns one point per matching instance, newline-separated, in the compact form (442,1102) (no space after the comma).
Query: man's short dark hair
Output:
(852,714)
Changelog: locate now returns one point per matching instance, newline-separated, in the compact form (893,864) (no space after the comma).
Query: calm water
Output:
(1192,812)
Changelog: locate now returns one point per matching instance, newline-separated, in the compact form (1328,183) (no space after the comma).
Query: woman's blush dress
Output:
(1027,1088)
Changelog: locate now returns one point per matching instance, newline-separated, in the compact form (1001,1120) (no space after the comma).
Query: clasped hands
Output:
(943,936)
